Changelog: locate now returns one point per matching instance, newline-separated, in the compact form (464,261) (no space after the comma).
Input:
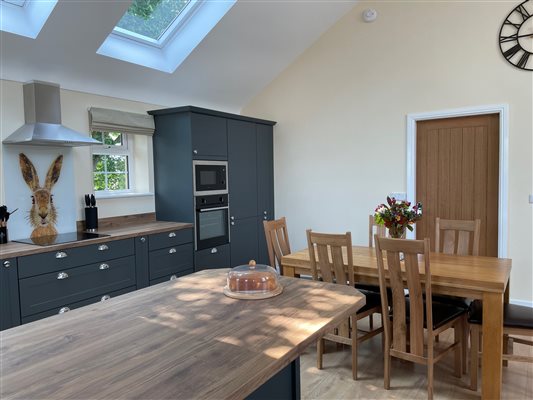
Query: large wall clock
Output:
(516,36)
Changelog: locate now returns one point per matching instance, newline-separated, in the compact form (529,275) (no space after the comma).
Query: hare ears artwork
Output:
(29,173)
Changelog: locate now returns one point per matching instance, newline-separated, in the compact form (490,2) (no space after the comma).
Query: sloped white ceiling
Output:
(248,48)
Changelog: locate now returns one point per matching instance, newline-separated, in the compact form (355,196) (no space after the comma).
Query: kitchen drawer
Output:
(170,260)
(52,261)
(169,239)
(216,257)
(171,277)
(47,291)
(78,304)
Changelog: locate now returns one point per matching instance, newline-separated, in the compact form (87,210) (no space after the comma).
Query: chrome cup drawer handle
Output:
(173,278)
(103,266)
(62,275)
(61,254)
(103,247)
(172,251)
(105,297)
(214,250)
(7,264)
(63,310)
(172,234)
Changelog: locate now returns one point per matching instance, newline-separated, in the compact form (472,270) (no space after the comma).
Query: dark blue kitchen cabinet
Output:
(244,241)
(242,169)
(188,133)
(209,140)
(9,294)
(265,185)
(265,171)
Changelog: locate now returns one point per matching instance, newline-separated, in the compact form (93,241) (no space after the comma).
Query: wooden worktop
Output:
(14,249)
(181,339)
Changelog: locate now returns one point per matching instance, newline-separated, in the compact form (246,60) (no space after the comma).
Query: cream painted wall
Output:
(340,141)
(74,106)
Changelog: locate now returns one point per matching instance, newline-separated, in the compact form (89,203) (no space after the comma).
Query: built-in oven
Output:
(210,177)
(212,221)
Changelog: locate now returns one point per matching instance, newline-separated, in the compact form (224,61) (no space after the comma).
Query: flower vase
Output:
(398,233)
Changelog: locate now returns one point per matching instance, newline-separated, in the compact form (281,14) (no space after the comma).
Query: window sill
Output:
(122,195)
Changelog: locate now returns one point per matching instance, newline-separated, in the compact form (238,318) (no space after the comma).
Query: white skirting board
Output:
(521,302)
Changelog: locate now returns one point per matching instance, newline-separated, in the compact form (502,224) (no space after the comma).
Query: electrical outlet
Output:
(531,199)
(399,195)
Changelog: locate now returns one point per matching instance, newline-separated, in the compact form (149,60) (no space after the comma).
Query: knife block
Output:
(91,218)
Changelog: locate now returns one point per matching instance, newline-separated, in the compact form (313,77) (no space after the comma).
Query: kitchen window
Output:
(112,161)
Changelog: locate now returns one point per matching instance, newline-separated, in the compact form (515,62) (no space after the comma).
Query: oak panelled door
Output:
(457,170)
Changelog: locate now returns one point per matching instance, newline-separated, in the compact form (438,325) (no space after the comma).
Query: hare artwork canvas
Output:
(40,181)
(43,213)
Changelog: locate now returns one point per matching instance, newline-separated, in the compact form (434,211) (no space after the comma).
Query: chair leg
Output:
(458,352)
(319,352)
(430,379)
(465,343)
(371,321)
(386,366)
(474,355)
(354,347)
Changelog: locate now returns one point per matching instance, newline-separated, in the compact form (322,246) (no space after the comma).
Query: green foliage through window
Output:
(151,18)
(110,165)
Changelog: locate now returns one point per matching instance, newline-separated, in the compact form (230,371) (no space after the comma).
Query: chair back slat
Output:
(375,229)
(416,304)
(458,236)
(401,276)
(277,239)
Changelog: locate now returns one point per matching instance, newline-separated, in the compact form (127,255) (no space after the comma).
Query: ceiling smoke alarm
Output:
(370,15)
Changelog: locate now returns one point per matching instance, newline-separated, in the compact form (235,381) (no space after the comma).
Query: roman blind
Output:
(103,119)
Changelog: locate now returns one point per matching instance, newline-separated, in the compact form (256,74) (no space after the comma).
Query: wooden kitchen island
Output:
(181,339)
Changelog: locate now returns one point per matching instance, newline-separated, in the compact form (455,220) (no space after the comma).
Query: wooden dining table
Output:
(473,277)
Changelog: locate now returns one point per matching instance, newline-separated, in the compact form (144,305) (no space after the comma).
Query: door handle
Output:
(214,250)
(172,234)
(103,266)
(103,247)
(172,251)
(61,254)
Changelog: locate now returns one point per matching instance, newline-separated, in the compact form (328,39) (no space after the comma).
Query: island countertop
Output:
(180,339)
(15,249)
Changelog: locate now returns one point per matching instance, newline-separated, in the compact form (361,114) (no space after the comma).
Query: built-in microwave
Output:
(210,177)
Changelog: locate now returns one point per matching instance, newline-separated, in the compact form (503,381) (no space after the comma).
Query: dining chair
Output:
(381,231)
(404,334)
(375,229)
(326,253)
(459,237)
(517,320)
(277,239)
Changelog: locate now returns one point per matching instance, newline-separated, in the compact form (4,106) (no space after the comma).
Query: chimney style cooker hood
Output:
(42,114)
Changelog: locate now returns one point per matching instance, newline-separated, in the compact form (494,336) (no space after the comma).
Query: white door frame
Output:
(503,111)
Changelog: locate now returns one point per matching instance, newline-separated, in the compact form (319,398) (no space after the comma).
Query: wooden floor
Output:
(408,381)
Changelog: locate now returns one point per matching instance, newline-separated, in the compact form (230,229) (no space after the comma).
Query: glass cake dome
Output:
(253,281)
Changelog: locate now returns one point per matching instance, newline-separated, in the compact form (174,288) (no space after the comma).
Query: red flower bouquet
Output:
(397,216)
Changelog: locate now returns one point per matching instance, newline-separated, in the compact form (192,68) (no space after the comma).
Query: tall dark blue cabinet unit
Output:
(190,133)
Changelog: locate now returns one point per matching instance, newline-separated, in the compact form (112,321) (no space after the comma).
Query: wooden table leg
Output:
(491,366)
(288,271)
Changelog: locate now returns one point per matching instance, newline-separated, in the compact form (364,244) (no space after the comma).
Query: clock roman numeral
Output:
(523,60)
(523,12)
(512,38)
(507,22)
(509,53)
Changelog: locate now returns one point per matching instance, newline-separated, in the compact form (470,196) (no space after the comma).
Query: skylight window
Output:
(160,34)
(19,3)
(151,19)
(24,17)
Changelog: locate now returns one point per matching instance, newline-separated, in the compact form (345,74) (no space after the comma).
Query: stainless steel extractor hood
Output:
(42,113)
